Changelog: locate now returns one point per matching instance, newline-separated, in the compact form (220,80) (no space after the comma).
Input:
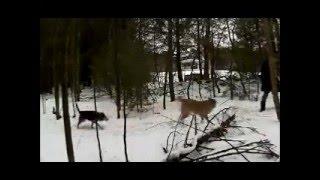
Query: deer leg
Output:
(183,116)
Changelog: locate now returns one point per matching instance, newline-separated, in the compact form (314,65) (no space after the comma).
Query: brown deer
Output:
(201,108)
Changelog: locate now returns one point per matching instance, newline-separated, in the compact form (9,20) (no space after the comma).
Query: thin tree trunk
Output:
(267,31)
(213,77)
(43,104)
(170,56)
(165,90)
(73,103)
(244,90)
(98,139)
(260,56)
(199,89)
(65,107)
(97,129)
(198,48)
(231,82)
(178,59)
(57,98)
(230,70)
(277,33)
(215,74)
(77,71)
(249,88)
(125,126)
(190,78)
(66,120)
(94,96)
(96,122)
(116,68)
(206,50)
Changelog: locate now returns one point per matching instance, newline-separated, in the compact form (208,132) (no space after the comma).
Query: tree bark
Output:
(213,77)
(125,126)
(170,57)
(94,96)
(206,50)
(272,59)
(116,68)
(96,122)
(77,69)
(178,57)
(56,93)
(65,106)
(190,78)
(165,90)
(43,104)
(198,48)
(231,82)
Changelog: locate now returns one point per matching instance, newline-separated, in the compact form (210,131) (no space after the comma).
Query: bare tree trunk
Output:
(125,126)
(272,59)
(206,50)
(57,97)
(116,68)
(98,139)
(178,59)
(65,107)
(170,56)
(231,82)
(260,55)
(213,77)
(215,74)
(77,71)
(190,78)
(277,33)
(43,103)
(73,103)
(230,70)
(198,48)
(96,122)
(249,88)
(244,90)
(66,120)
(165,90)
(199,89)
(94,96)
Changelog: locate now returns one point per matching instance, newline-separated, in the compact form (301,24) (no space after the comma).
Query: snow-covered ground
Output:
(145,136)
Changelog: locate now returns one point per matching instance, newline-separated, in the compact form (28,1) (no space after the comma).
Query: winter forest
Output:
(160,90)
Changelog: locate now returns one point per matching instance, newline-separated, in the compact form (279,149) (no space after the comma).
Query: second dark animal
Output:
(92,116)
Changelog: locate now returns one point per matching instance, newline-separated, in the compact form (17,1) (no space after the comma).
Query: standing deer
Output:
(201,108)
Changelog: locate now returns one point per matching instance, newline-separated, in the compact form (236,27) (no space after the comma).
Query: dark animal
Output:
(92,116)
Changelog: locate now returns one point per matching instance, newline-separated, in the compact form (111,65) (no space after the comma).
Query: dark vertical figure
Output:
(266,83)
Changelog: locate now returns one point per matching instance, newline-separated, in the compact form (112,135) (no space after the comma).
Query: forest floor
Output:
(145,136)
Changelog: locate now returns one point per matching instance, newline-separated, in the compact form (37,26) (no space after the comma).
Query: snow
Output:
(147,132)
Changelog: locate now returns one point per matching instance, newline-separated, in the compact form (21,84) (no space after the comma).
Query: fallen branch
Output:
(250,128)
(239,150)
(218,132)
(224,109)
